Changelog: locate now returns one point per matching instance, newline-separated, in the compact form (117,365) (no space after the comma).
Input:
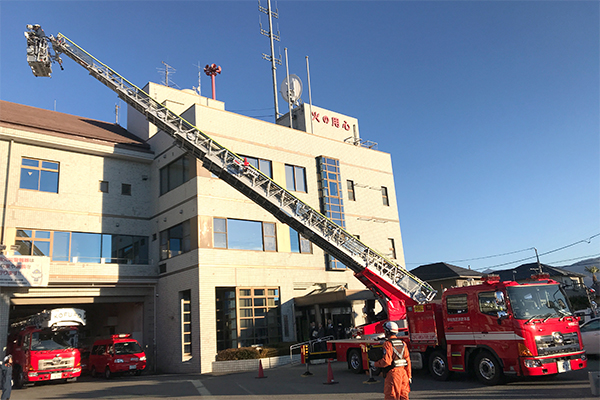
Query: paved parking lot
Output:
(288,383)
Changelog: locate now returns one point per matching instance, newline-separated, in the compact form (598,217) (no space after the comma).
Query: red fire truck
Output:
(44,346)
(493,329)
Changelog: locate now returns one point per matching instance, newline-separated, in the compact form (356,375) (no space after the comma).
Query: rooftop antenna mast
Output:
(271,57)
(167,67)
(197,88)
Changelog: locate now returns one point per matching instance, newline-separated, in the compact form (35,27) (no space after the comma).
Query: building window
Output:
(220,233)
(295,178)
(264,166)
(104,186)
(392,248)
(175,240)
(269,239)
(457,304)
(331,200)
(39,175)
(226,318)
(351,195)
(241,234)
(384,196)
(126,189)
(259,316)
(299,244)
(247,316)
(175,174)
(185,298)
(83,247)
(488,305)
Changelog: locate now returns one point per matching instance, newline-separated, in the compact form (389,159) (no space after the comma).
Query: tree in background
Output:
(593,270)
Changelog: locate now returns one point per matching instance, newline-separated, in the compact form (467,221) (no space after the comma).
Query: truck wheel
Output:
(487,369)
(438,366)
(93,372)
(355,362)
(18,380)
(107,373)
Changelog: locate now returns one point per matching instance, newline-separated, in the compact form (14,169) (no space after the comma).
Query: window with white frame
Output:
(185,298)
(295,178)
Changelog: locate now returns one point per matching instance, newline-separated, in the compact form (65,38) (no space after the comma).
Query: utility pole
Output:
(271,57)
(538,261)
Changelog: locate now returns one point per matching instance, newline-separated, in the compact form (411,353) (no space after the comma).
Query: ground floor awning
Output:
(335,294)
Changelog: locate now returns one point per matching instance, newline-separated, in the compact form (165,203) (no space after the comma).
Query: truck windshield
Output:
(127,348)
(538,301)
(54,340)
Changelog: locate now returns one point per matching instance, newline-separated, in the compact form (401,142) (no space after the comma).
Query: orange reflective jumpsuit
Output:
(396,386)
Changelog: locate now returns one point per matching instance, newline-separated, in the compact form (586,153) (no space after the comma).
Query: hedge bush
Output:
(243,353)
(250,353)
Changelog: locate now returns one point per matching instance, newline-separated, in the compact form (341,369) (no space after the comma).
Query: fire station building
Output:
(125,225)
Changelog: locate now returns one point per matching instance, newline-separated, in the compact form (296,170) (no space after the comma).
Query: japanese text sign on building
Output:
(24,271)
(335,121)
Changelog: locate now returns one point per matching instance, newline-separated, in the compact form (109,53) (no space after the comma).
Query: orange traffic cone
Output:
(261,373)
(330,380)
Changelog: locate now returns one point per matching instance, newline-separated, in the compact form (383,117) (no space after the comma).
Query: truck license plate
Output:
(132,367)
(563,366)
(57,375)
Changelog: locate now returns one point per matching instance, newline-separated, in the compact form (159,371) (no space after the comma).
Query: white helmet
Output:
(391,327)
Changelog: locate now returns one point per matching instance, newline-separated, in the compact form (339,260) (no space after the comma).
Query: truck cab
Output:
(44,346)
(502,328)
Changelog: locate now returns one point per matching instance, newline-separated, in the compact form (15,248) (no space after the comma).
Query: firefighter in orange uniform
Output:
(396,361)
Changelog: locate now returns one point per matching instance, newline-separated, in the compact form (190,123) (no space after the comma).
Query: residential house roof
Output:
(524,271)
(18,116)
(442,270)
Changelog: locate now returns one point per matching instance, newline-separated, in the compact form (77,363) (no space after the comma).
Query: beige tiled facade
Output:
(150,295)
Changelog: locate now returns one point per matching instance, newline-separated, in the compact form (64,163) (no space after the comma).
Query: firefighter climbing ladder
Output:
(232,169)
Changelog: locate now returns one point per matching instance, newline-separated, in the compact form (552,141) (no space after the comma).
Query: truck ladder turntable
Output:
(372,268)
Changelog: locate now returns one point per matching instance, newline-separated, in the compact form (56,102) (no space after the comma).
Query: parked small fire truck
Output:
(493,329)
(44,346)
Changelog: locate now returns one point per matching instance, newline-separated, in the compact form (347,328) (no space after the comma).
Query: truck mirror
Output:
(502,315)
(499,298)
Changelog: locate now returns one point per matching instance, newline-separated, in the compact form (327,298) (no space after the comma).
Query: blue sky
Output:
(489,109)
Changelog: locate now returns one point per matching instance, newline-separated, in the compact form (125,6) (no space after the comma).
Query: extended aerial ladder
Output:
(390,282)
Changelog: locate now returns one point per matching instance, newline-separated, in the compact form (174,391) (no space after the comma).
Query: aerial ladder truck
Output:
(392,284)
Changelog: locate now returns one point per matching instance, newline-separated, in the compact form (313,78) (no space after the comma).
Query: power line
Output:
(495,255)
(587,240)
(578,258)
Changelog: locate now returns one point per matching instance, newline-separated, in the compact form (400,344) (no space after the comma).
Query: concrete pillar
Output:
(318,315)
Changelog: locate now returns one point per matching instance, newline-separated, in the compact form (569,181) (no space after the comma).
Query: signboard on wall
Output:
(24,271)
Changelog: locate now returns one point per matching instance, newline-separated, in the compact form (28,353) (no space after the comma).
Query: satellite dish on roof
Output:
(295,89)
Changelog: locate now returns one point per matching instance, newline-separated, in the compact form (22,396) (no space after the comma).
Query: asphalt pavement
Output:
(288,382)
